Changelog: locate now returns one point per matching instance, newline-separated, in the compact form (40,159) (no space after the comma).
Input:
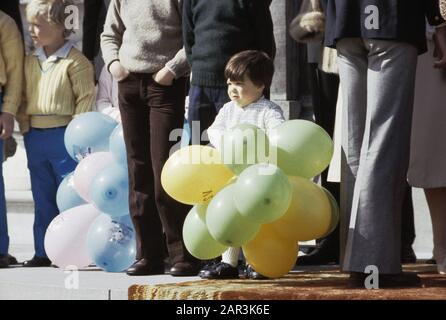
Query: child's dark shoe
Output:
(219,270)
(250,273)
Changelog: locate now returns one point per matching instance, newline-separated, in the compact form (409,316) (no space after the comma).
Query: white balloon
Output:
(65,238)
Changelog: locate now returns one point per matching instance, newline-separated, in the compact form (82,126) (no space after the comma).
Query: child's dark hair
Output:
(257,65)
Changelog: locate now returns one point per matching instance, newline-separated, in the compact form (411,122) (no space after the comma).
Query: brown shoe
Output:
(185,269)
(144,267)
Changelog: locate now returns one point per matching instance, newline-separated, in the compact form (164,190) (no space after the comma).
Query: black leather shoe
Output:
(145,268)
(220,270)
(408,255)
(185,269)
(12,259)
(209,265)
(4,261)
(250,273)
(400,280)
(37,262)
(321,255)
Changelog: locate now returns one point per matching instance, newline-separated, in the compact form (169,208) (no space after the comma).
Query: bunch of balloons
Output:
(94,224)
(255,193)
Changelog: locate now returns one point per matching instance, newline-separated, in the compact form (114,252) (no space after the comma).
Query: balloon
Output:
(117,146)
(309,214)
(243,146)
(66,235)
(303,148)
(197,238)
(88,133)
(194,174)
(225,223)
(185,138)
(67,197)
(111,244)
(262,193)
(109,191)
(87,170)
(271,255)
(334,221)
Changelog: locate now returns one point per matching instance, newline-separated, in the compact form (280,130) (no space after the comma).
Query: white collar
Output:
(61,53)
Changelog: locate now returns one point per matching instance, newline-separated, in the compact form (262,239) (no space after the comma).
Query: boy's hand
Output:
(164,77)
(118,72)
(6,125)
(440,47)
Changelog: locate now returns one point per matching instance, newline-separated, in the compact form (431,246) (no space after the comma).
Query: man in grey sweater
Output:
(143,49)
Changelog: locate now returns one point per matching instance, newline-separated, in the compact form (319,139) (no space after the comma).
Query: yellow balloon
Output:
(270,254)
(194,174)
(309,215)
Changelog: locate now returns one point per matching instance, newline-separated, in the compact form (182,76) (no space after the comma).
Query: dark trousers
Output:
(149,113)
(324,87)
(204,105)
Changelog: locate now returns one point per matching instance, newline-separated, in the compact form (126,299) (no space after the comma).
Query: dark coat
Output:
(400,20)
(215,30)
(93,25)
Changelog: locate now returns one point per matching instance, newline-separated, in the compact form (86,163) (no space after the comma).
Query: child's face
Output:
(244,92)
(45,34)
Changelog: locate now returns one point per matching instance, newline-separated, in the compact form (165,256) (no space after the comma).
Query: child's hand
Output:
(164,77)
(118,72)
(6,125)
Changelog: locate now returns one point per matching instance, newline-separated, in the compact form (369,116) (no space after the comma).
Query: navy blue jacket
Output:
(400,20)
(215,30)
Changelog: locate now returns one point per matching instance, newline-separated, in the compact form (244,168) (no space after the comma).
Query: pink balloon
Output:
(65,238)
(87,170)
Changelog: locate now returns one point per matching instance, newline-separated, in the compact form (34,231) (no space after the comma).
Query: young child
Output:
(11,79)
(59,84)
(107,101)
(213,31)
(248,73)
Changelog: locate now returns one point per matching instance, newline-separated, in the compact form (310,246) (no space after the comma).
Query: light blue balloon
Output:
(67,197)
(111,244)
(88,133)
(117,146)
(109,191)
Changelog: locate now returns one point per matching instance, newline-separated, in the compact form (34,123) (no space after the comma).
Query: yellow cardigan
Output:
(11,63)
(56,90)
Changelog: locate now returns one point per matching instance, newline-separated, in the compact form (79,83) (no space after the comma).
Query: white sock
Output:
(230,256)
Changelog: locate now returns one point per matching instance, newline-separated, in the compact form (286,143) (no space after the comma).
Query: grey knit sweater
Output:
(145,36)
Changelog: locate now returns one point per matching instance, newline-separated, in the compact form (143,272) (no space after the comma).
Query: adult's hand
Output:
(164,77)
(6,125)
(118,72)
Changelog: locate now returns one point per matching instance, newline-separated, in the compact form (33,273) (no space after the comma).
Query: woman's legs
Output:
(436,200)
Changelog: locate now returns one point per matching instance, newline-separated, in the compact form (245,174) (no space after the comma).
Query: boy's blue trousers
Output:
(48,164)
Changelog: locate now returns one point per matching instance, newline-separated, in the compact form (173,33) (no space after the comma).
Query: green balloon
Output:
(262,193)
(304,149)
(196,236)
(225,223)
(334,212)
(243,146)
